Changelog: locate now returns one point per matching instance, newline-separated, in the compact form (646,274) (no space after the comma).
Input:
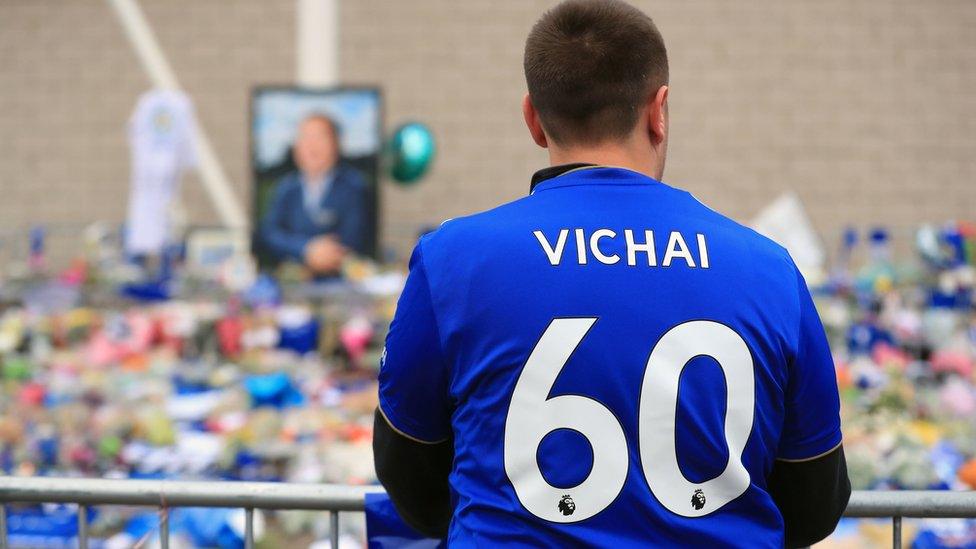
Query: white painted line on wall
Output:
(161,74)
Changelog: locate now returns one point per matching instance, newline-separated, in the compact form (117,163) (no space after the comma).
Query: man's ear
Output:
(657,113)
(533,123)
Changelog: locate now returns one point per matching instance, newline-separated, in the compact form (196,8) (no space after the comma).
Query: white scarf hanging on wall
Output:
(161,145)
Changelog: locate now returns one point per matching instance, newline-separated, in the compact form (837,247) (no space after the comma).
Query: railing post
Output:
(164,527)
(249,528)
(3,526)
(82,527)
(896,532)
(334,529)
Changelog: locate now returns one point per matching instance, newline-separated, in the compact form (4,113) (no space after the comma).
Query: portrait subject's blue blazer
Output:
(287,226)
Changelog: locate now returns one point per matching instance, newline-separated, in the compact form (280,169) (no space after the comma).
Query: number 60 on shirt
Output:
(531,416)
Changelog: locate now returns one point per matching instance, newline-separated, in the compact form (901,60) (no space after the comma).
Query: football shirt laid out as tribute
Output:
(616,364)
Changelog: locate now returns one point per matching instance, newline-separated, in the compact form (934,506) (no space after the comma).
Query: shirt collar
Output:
(555,171)
(544,178)
(316,189)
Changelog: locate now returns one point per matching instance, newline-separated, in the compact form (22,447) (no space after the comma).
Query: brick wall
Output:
(864,108)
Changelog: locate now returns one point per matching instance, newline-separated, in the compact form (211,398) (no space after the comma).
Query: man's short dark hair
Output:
(590,65)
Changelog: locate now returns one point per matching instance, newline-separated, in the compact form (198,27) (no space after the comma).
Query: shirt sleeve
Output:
(812,423)
(413,379)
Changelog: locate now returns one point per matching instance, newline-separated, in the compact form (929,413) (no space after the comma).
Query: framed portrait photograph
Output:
(315,165)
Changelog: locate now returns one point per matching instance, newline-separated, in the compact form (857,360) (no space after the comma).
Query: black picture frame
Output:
(264,178)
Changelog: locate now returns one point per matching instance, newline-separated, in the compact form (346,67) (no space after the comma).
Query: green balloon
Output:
(411,151)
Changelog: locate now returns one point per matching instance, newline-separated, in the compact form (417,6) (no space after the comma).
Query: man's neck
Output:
(313,179)
(642,161)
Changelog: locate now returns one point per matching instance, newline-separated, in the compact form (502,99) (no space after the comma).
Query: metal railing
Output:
(910,504)
(166,494)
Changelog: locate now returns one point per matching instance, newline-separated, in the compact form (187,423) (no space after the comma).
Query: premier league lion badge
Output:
(567,506)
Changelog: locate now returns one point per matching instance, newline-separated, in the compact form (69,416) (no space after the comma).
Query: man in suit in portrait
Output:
(318,213)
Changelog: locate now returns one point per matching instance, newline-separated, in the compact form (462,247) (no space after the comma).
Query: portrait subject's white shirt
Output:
(313,192)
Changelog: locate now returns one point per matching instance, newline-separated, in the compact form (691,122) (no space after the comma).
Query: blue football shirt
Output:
(617,365)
